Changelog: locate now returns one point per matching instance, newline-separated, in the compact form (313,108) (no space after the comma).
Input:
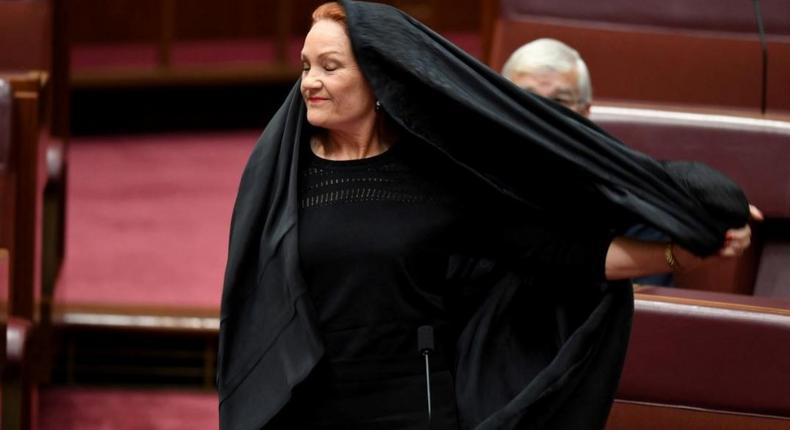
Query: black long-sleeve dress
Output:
(380,240)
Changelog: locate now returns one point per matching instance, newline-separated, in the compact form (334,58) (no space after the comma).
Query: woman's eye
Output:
(305,68)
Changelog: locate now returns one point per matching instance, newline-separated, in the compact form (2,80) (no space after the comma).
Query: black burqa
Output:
(541,354)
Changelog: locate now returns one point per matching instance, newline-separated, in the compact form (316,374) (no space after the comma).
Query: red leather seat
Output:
(706,355)
(755,153)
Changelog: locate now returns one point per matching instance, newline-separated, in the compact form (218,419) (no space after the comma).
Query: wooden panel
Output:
(113,21)
(94,21)
(713,16)
(5,283)
(662,67)
(7,181)
(489,16)
(778,72)
(25,135)
(736,302)
(206,19)
(24,35)
(60,72)
(458,15)
(709,62)
(19,219)
(18,390)
(173,46)
(22,186)
(647,416)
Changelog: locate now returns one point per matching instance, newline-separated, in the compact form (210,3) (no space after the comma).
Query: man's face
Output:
(561,87)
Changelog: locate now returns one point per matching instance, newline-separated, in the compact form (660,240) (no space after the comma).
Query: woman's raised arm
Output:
(631,258)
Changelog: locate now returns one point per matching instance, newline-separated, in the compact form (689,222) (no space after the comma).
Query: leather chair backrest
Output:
(713,351)
(755,153)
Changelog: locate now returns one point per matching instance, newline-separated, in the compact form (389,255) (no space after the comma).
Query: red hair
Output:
(332,11)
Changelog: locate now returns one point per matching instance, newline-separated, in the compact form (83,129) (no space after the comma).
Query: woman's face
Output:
(337,95)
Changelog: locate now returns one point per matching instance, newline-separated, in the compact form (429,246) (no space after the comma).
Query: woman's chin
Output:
(316,119)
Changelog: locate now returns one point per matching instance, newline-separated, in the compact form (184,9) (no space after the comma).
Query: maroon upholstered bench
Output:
(699,360)
(754,152)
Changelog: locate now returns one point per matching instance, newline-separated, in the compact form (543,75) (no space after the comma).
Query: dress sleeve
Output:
(536,246)
(544,250)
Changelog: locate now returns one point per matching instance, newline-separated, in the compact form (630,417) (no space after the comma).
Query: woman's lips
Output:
(316,99)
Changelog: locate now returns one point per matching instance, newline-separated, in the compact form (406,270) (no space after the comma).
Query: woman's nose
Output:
(310,80)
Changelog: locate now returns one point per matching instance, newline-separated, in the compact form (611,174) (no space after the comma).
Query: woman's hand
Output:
(736,241)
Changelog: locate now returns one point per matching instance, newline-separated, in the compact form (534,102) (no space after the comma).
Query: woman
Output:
(403,184)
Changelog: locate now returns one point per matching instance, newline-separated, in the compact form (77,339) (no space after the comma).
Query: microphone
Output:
(425,347)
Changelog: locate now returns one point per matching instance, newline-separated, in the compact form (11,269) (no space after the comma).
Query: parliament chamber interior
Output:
(125,126)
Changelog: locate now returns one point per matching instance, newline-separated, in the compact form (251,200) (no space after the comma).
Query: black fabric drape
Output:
(483,121)
(535,353)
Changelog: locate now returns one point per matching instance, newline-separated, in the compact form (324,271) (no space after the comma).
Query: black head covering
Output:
(546,356)
(442,94)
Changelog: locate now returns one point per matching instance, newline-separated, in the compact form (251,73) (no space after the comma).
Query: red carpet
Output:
(148,218)
(115,409)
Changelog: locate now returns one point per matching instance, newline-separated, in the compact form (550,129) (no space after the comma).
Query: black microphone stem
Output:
(428,382)
(425,346)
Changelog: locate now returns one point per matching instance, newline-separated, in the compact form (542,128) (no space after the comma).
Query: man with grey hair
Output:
(554,70)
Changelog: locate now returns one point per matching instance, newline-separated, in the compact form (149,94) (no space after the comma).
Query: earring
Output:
(378,105)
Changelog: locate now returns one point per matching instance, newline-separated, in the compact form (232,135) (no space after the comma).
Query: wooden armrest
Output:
(5,123)
(713,299)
